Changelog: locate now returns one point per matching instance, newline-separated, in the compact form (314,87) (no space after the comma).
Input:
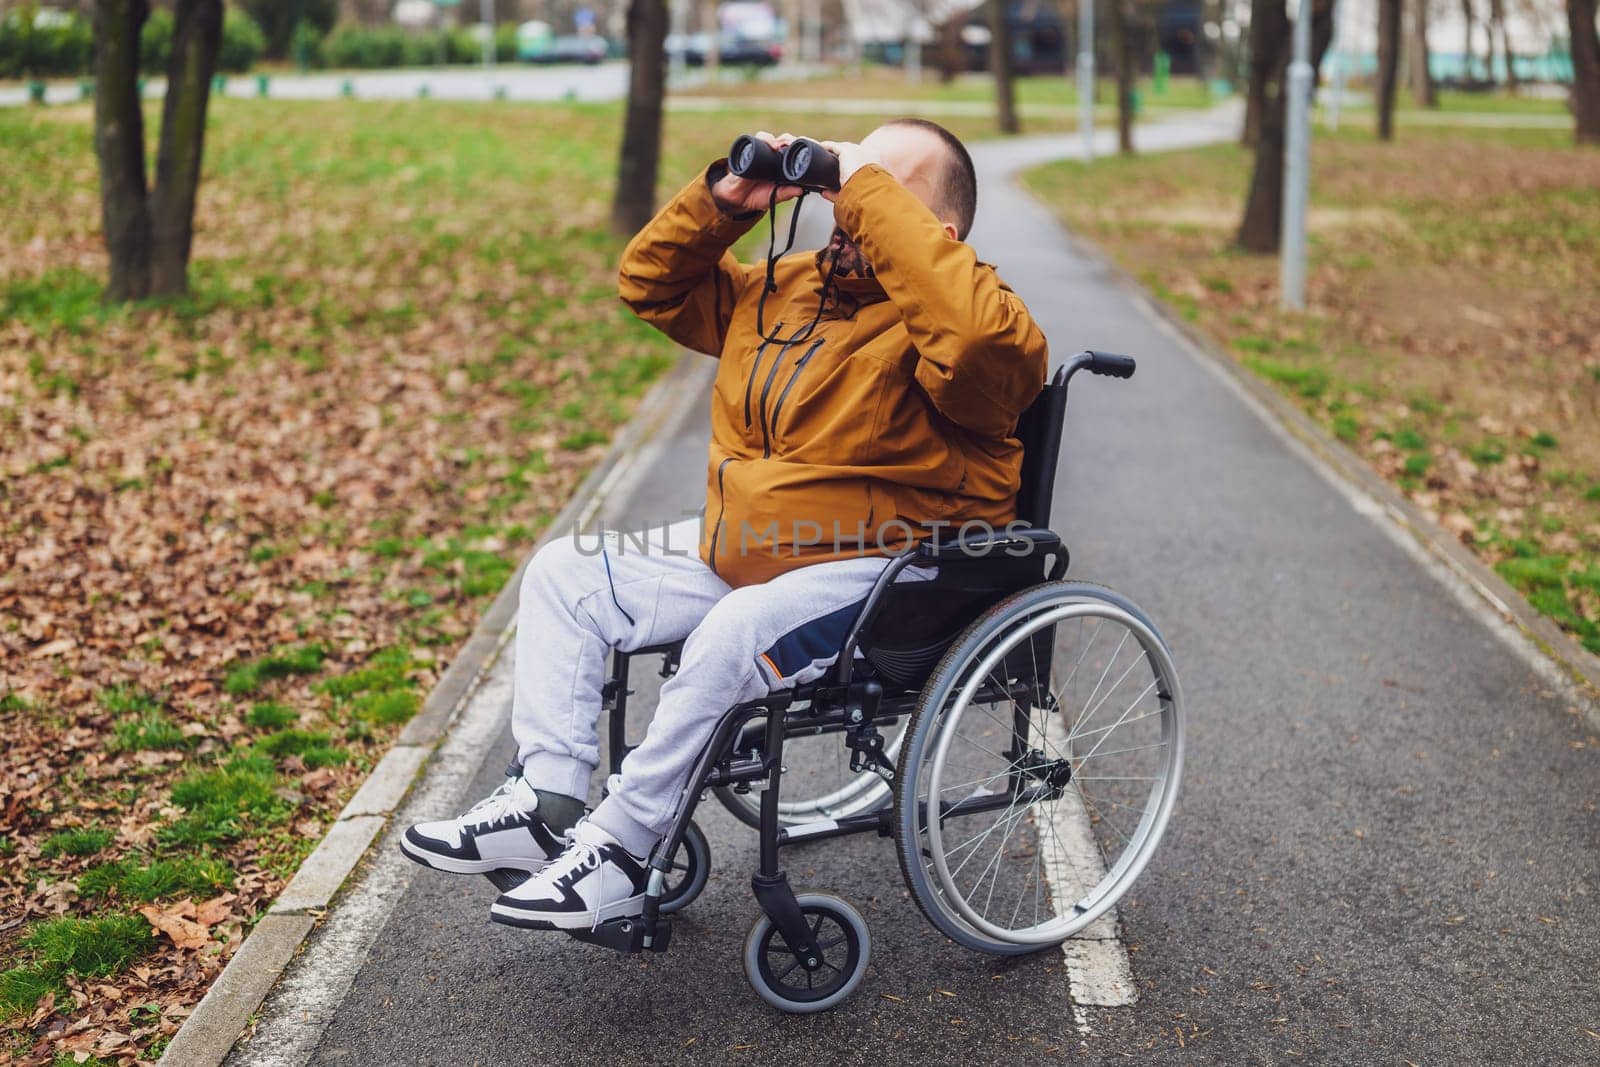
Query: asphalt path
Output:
(1386,850)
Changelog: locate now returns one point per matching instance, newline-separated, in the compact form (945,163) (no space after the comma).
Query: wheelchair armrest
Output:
(1028,541)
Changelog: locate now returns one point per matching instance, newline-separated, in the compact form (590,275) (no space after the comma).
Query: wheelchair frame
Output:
(747,757)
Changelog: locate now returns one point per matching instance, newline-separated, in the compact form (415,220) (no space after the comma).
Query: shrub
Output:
(44,43)
(350,46)
(242,42)
(282,23)
(306,46)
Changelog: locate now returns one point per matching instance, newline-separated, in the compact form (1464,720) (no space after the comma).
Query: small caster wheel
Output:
(691,866)
(784,982)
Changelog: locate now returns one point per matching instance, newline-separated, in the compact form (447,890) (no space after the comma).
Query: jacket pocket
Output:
(794,376)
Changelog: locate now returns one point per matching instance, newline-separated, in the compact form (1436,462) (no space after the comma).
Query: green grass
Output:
(223,801)
(313,747)
(22,987)
(386,706)
(129,700)
(270,715)
(128,879)
(245,678)
(90,948)
(80,841)
(151,730)
(1306,381)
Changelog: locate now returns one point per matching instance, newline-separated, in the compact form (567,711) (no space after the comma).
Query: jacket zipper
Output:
(766,391)
(722,507)
(777,408)
(762,351)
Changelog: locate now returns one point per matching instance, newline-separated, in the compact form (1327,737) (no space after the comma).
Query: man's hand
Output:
(852,157)
(736,195)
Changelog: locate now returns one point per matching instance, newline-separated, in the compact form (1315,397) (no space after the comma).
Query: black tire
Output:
(909,848)
(690,869)
(846,950)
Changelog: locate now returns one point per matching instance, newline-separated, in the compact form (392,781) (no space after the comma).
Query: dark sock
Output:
(559,811)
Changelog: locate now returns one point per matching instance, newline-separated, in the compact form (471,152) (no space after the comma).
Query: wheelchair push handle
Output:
(1109,364)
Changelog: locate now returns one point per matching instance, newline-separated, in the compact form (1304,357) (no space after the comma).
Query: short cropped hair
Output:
(957,185)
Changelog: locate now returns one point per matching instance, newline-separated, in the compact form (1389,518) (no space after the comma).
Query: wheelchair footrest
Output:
(627,935)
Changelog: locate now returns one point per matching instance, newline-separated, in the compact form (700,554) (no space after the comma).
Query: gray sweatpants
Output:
(582,597)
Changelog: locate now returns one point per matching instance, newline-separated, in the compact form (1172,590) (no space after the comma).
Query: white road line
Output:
(1099,973)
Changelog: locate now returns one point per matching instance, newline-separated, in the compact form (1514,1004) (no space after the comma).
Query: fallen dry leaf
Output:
(184,933)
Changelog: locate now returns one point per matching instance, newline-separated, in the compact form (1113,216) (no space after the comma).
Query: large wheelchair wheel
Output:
(818,783)
(1039,769)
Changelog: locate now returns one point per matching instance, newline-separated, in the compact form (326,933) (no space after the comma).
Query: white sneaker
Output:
(593,881)
(503,831)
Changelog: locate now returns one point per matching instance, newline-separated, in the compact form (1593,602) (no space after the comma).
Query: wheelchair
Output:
(1020,736)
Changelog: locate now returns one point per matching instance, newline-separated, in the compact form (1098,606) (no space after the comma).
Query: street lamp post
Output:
(1086,76)
(1296,168)
(486,16)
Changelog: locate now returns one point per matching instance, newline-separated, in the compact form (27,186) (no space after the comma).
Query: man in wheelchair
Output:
(867,397)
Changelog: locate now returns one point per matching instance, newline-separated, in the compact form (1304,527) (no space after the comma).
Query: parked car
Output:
(570,48)
(734,50)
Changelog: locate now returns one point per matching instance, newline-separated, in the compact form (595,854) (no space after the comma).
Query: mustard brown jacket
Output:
(892,420)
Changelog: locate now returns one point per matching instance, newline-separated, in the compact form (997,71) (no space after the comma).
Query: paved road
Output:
(1386,850)
(603,81)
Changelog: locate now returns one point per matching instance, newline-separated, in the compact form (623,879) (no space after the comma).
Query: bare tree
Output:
(1268,25)
(1497,18)
(149,233)
(950,57)
(1122,47)
(1389,19)
(1000,64)
(1585,71)
(1260,228)
(635,199)
(1469,21)
(1418,71)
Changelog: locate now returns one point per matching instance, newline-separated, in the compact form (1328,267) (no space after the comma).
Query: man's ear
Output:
(950,231)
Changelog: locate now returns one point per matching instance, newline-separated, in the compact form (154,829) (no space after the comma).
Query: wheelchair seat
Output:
(911,624)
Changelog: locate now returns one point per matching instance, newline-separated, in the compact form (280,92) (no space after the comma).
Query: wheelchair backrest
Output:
(1039,430)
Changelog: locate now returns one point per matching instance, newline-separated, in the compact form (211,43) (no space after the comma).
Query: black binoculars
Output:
(804,163)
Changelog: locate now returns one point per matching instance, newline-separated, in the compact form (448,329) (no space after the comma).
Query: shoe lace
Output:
(496,806)
(580,857)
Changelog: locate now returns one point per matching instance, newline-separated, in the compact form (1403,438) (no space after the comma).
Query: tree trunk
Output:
(1261,227)
(1469,19)
(641,129)
(1122,48)
(950,58)
(1000,64)
(119,144)
(197,33)
(1497,9)
(1389,20)
(1419,73)
(713,31)
(1585,71)
(1268,30)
